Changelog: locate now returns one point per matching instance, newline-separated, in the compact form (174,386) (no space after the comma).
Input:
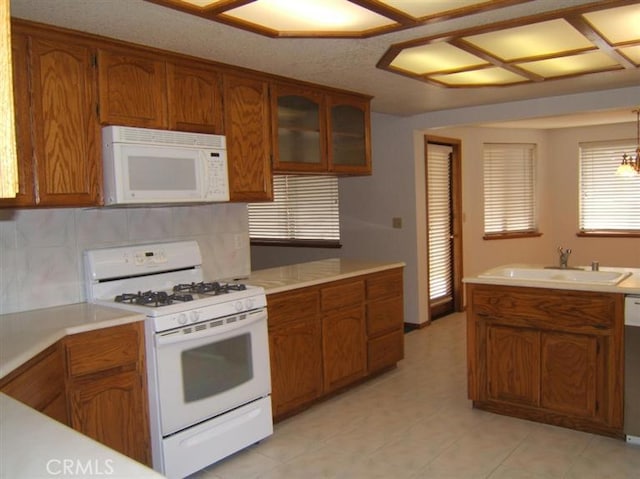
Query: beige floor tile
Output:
(416,422)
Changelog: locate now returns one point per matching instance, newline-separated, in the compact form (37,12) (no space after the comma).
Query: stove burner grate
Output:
(209,288)
(152,298)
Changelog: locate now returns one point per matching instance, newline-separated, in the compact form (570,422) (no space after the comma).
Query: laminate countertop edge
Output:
(301,275)
(24,335)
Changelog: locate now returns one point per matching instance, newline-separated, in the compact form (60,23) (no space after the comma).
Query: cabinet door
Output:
(195,102)
(133,90)
(20,58)
(570,373)
(246,124)
(349,135)
(299,130)
(40,384)
(65,128)
(111,409)
(296,364)
(513,364)
(343,340)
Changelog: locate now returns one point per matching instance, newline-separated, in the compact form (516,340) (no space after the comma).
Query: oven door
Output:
(211,367)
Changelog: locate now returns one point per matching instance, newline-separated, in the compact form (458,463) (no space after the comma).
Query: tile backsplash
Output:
(41,249)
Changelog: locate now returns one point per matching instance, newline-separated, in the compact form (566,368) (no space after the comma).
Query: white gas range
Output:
(207,351)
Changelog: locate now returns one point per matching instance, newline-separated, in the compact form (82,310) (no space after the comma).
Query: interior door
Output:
(444,225)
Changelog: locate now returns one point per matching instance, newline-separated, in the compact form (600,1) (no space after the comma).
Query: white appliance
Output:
(632,369)
(143,166)
(207,351)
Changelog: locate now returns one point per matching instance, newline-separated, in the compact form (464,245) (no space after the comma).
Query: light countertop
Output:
(629,285)
(24,335)
(33,446)
(300,275)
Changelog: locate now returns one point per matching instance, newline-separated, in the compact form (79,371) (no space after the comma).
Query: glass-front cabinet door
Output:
(349,130)
(299,130)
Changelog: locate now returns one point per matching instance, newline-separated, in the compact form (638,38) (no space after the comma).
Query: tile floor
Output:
(415,422)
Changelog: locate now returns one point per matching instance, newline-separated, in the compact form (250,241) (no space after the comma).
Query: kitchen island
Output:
(332,324)
(548,350)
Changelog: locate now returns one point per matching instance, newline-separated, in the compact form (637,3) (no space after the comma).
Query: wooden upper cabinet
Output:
(26,186)
(66,136)
(349,135)
(133,90)
(299,129)
(194,98)
(317,131)
(247,128)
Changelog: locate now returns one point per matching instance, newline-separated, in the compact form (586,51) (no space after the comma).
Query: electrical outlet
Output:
(396,222)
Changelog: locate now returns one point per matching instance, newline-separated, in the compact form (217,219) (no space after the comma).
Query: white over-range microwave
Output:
(147,166)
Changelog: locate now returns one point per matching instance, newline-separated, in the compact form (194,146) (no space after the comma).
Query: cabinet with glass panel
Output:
(316,131)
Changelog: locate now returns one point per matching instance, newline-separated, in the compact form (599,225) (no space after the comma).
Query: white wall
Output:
(41,249)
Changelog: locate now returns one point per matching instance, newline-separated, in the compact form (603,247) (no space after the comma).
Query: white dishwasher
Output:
(632,369)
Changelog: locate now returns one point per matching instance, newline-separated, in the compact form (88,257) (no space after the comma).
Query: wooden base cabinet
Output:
(327,337)
(552,356)
(94,382)
(107,390)
(295,345)
(39,383)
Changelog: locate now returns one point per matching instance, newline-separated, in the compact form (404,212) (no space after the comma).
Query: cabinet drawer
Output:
(341,295)
(103,349)
(384,315)
(289,306)
(546,307)
(385,351)
(382,285)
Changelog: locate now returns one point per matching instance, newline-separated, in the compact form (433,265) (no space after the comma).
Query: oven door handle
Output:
(209,328)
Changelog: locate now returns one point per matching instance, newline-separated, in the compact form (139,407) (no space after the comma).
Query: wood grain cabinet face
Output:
(40,384)
(343,333)
(299,129)
(106,388)
(349,135)
(385,319)
(247,128)
(318,131)
(195,98)
(57,128)
(295,345)
(548,355)
(133,90)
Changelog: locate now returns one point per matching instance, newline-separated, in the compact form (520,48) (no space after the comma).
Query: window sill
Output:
(608,234)
(296,243)
(523,234)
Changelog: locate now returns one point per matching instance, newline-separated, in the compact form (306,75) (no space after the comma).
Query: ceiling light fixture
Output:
(630,166)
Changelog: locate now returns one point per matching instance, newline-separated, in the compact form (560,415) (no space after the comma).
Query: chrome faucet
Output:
(564,257)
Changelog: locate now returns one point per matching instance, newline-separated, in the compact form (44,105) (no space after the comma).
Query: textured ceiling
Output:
(342,63)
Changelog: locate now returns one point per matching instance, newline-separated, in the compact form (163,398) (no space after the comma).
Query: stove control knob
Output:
(182,318)
(238,305)
(248,303)
(195,315)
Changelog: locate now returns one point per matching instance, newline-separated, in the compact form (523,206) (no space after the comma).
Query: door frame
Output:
(456,200)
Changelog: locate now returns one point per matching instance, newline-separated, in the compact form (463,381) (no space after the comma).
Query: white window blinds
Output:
(509,188)
(607,202)
(439,211)
(304,209)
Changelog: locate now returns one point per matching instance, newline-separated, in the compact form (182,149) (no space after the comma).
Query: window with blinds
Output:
(305,210)
(608,203)
(509,190)
(439,214)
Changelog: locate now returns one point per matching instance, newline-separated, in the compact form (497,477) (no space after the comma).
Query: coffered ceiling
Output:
(412,57)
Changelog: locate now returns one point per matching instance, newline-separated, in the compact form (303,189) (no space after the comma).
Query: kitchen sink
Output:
(576,276)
